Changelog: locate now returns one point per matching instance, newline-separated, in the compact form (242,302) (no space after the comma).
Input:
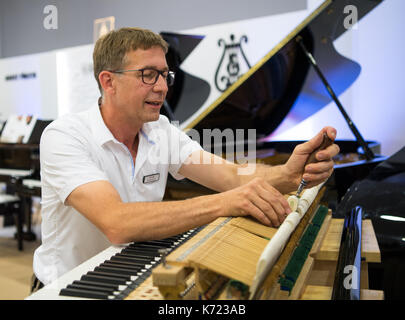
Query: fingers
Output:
(278,202)
(319,171)
(314,179)
(266,204)
(272,210)
(309,146)
(328,153)
(331,151)
(318,168)
(330,131)
(250,209)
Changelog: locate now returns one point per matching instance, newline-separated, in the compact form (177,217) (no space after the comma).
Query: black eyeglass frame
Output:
(169,78)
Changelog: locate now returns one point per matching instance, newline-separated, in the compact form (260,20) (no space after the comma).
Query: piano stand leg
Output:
(29,236)
(25,216)
(18,215)
(27,206)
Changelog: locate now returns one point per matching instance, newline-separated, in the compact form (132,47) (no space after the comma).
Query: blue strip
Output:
(147,138)
(132,160)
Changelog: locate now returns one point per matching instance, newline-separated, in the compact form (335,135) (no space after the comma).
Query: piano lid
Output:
(249,74)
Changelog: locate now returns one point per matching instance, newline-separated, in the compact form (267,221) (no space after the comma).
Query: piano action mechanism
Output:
(220,261)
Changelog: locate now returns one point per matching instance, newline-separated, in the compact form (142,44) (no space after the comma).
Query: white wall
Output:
(24,32)
(77,87)
(64,83)
(379,45)
(33,95)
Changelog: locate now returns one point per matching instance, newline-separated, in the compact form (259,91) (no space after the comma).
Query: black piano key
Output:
(123,261)
(110,286)
(139,259)
(103,279)
(122,266)
(142,254)
(128,257)
(124,277)
(136,260)
(146,246)
(85,294)
(160,243)
(92,288)
(120,271)
(145,251)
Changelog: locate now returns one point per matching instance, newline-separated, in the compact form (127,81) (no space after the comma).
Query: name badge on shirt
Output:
(151,178)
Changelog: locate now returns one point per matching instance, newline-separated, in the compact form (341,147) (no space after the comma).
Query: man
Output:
(101,187)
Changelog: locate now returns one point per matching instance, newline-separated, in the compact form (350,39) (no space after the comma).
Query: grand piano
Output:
(258,99)
(269,92)
(20,171)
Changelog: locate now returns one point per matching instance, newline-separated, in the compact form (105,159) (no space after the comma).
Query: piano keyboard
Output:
(118,276)
(15,172)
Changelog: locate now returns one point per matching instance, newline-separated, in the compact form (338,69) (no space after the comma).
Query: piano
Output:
(259,99)
(186,266)
(20,171)
(267,93)
(113,273)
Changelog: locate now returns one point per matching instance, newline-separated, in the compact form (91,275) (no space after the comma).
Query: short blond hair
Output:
(110,50)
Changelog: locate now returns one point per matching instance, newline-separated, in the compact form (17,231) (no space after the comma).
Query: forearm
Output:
(124,222)
(158,220)
(277,176)
(221,175)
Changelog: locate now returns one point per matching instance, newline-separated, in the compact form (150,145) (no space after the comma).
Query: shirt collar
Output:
(146,133)
(102,134)
(100,131)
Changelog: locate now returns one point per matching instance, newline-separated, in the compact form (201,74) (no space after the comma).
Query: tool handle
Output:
(325,143)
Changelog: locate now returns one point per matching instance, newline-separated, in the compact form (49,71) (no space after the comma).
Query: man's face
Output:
(139,102)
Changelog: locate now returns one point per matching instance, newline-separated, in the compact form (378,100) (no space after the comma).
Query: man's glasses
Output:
(150,75)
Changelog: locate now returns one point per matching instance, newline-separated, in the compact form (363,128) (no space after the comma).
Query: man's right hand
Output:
(258,199)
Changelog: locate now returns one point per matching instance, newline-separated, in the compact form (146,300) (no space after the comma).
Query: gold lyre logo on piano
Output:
(230,67)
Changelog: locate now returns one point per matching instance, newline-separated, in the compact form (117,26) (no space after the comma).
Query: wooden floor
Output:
(15,265)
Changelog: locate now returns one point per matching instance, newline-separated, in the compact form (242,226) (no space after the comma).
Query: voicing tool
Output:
(312,159)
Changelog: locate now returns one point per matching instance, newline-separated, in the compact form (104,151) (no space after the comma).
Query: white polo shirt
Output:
(78,149)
